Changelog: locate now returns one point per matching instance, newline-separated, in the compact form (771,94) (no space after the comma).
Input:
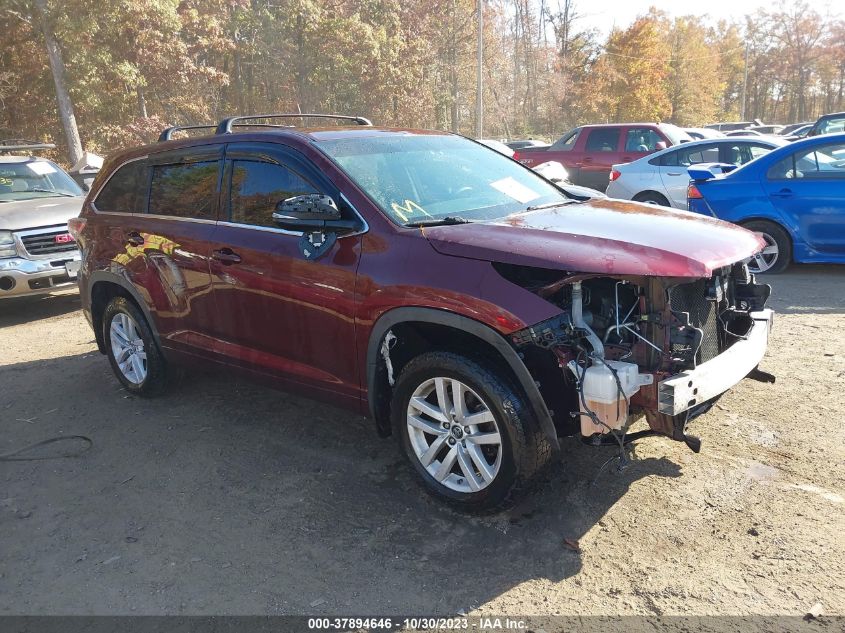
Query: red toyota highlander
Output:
(474,310)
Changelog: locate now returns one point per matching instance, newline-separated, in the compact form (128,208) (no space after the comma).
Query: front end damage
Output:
(628,347)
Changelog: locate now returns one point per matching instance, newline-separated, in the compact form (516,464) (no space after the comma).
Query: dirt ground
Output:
(228,498)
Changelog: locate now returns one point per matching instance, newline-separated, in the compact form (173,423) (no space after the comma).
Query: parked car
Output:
(745,132)
(793,197)
(833,123)
(471,308)
(526,143)
(793,127)
(766,129)
(730,126)
(588,152)
(497,145)
(799,133)
(37,198)
(698,133)
(662,178)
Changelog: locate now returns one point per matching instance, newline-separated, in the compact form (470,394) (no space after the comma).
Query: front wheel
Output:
(467,431)
(777,254)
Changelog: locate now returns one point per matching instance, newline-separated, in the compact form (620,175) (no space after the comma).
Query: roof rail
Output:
(225,126)
(167,133)
(21,144)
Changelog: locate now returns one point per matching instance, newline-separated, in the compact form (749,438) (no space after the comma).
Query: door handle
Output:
(783,193)
(674,173)
(627,159)
(226,256)
(134,239)
(587,159)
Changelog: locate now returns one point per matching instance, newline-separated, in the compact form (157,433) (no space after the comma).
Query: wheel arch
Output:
(102,287)
(647,192)
(468,335)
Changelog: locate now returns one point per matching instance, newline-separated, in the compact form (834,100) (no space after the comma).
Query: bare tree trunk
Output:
(142,103)
(57,66)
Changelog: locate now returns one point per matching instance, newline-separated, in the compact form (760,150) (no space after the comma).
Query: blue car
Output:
(793,197)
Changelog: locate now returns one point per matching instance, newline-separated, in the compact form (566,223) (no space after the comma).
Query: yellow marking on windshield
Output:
(407,209)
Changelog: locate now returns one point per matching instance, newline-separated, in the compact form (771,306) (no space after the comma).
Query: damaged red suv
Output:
(474,310)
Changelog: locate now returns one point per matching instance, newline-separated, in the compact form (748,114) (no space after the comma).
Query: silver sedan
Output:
(661,178)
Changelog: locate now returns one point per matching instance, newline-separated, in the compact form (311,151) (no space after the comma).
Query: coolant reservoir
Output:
(603,396)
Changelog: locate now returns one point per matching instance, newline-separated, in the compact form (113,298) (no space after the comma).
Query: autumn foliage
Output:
(134,67)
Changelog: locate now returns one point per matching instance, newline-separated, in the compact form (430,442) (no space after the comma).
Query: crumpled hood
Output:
(32,214)
(603,236)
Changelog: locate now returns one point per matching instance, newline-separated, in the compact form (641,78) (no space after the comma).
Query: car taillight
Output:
(516,156)
(614,174)
(75,227)
(693,193)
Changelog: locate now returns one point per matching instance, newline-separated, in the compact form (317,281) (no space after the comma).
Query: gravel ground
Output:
(228,498)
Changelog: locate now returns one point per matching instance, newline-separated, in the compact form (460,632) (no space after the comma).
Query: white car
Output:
(662,178)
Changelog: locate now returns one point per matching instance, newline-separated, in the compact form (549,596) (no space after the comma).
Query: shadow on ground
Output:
(225,497)
(28,309)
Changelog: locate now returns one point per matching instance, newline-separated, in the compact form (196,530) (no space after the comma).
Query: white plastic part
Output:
(603,396)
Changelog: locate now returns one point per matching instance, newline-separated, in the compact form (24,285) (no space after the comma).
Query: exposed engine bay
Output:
(628,347)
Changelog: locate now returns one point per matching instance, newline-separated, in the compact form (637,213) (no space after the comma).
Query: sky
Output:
(623,12)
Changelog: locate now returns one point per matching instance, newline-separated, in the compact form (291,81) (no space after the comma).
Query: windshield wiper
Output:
(550,205)
(58,193)
(448,220)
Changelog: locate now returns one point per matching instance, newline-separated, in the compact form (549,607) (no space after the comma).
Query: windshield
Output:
(35,179)
(425,178)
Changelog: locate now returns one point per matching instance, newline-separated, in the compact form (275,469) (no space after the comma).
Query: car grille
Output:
(46,244)
(692,298)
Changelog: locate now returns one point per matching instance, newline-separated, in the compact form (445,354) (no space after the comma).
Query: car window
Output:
(35,179)
(741,153)
(831,126)
(825,162)
(757,151)
(691,156)
(126,189)
(567,141)
(185,190)
(642,139)
(603,140)
(257,187)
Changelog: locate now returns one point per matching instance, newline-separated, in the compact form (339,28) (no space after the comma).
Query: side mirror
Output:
(660,145)
(552,170)
(319,220)
(311,206)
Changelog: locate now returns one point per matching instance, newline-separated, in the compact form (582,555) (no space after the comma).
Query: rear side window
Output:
(257,187)
(641,139)
(126,190)
(691,156)
(185,190)
(567,141)
(603,140)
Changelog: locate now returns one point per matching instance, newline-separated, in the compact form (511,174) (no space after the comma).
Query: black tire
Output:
(773,234)
(525,451)
(155,380)
(652,197)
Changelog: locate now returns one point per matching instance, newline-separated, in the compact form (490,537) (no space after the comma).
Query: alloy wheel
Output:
(127,347)
(454,435)
(765,259)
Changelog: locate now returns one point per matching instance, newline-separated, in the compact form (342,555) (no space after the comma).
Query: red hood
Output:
(603,236)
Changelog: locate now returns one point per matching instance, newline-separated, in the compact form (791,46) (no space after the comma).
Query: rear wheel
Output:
(133,354)
(652,197)
(467,431)
(777,254)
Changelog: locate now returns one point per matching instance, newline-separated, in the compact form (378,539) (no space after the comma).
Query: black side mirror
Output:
(318,218)
(311,206)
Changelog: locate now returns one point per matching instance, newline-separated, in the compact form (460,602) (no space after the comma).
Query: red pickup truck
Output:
(589,151)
